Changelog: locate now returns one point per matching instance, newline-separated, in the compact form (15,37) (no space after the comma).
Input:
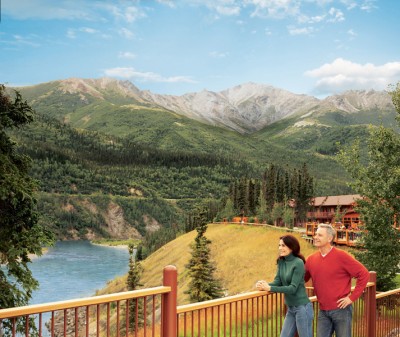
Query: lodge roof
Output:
(334,200)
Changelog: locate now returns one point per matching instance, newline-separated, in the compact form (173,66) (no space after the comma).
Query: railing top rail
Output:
(61,305)
(388,293)
(230,299)
(219,301)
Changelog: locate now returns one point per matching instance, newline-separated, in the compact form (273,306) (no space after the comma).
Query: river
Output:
(76,269)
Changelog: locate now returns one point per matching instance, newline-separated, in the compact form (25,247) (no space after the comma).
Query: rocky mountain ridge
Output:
(245,108)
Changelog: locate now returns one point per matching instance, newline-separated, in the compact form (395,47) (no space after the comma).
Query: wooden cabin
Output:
(337,210)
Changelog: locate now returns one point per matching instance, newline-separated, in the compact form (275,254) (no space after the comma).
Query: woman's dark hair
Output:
(292,243)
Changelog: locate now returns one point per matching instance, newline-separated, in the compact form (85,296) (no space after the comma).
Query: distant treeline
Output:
(258,197)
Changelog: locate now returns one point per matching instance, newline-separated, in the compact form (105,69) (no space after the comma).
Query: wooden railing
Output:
(154,312)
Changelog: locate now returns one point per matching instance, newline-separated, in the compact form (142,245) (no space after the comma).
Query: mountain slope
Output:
(242,255)
(244,108)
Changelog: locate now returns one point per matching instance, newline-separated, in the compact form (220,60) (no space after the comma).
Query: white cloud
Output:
(72,32)
(268,32)
(23,9)
(128,14)
(300,31)
(126,55)
(20,40)
(217,54)
(341,75)
(336,15)
(352,33)
(72,10)
(274,8)
(88,30)
(228,11)
(131,73)
(368,5)
(222,7)
(126,33)
(169,3)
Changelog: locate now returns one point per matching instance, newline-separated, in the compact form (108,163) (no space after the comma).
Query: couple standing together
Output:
(331,271)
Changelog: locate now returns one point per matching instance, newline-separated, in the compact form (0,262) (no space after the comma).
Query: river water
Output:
(76,269)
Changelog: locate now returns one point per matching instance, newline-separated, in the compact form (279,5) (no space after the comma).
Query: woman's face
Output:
(283,249)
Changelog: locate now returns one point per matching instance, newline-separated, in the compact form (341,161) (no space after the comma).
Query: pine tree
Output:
(270,187)
(262,211)
(203,285)
(378,181)
(20,231)
(288,215)
(133,282)
(228,211)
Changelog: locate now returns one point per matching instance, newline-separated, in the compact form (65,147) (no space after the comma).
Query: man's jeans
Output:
(338,321)
(298,318)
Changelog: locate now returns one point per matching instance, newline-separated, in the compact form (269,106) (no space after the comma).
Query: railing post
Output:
(169,314)
(370,306)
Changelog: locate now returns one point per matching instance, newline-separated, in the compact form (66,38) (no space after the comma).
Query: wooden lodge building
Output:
(335,209)
(339,211)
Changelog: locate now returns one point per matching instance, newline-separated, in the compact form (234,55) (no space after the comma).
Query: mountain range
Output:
(251,123)
(245,108)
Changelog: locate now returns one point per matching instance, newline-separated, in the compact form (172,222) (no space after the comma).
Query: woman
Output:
(289,280)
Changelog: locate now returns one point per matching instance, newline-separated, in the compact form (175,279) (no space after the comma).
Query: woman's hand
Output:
(263,285)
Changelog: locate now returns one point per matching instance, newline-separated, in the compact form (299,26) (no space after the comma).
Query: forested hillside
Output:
(95,185)
(99,149)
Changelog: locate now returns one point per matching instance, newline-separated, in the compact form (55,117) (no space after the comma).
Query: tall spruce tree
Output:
(136,318)
(203,285)
(378,181)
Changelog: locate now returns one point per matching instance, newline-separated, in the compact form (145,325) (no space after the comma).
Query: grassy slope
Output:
(242,255)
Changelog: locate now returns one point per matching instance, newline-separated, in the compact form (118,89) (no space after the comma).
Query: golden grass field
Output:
(242,255)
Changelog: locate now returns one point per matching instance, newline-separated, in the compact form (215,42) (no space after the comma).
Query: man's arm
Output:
(358,271)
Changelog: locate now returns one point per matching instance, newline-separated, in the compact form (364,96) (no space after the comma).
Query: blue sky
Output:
(313,47)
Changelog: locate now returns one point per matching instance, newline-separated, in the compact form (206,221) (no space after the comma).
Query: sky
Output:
(312,47)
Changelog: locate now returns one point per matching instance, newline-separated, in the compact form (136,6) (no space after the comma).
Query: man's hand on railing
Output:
(263,285)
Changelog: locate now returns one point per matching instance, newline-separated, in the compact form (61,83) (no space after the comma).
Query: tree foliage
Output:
(20,234)
(203,285)
(378,181)
(263,197)
(136,312)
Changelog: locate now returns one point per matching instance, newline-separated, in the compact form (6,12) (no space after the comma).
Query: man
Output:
(331,271)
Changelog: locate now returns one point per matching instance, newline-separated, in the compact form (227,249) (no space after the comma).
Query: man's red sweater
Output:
(331,276)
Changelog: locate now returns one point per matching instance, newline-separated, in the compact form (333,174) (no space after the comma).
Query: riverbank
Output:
(123,244)
(35,256)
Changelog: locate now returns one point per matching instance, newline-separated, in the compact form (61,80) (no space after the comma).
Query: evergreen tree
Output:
(304,192)
(133,282)
(288,215)
(262,211)
(270,187)
(20,232)
(277,213)
(251,198)
(228,212)
(203,285)
(378,181)
(243,198)
(139,253)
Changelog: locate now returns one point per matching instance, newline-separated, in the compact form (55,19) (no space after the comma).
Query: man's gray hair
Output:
(329,229)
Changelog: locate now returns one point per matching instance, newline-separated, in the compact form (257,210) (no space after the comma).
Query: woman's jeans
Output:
(338,321)
(298,318)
